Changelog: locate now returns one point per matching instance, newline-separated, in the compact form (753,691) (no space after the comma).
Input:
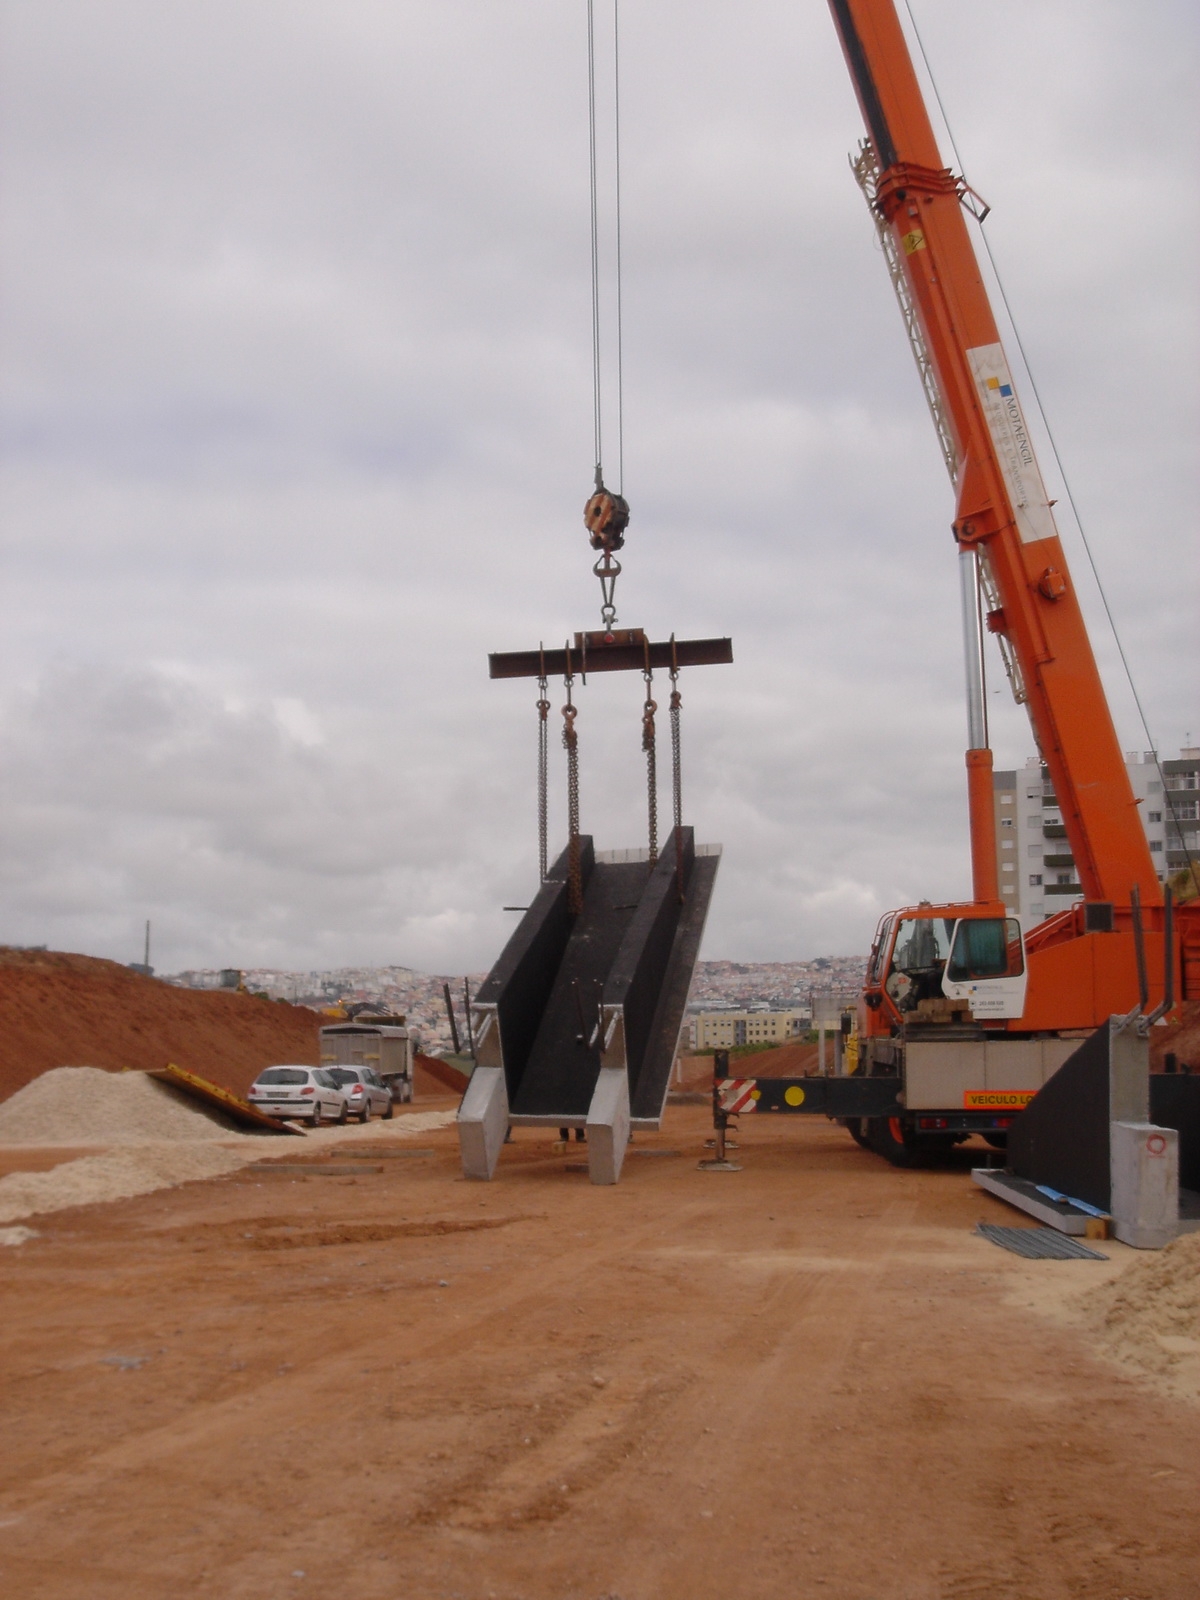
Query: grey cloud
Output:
(297,421)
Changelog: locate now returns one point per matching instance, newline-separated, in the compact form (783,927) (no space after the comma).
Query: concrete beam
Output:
(608,1125)
(483,1122)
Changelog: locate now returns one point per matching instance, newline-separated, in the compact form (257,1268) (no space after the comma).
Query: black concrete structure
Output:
(607,987)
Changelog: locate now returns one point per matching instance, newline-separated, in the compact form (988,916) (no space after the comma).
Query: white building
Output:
(722,1030)
(1036,867)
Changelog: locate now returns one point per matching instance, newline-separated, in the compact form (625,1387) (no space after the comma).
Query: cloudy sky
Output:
(297,419)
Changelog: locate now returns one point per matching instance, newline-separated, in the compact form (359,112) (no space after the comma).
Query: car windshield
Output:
(341,1075)
(278,1075)
(326,1078)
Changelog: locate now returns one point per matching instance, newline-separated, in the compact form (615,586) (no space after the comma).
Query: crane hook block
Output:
(606,517)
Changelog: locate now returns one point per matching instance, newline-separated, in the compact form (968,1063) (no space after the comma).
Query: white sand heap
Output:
(161,1138)
(84,1105)
(1148,1318)
(116,1176)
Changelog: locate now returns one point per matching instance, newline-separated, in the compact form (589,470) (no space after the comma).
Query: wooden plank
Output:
(212,1094)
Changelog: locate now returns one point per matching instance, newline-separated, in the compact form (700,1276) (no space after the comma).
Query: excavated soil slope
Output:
(61,1010)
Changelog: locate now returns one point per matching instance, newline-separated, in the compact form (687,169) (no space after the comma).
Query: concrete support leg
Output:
(1145,1184)
(608,1125)
(483,1122)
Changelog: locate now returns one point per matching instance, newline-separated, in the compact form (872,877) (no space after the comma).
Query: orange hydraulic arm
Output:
(1002,512)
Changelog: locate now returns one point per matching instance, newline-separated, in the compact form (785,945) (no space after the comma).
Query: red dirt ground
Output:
(809,1378)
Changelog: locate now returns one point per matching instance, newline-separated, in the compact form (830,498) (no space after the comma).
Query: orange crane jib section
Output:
(1002,507)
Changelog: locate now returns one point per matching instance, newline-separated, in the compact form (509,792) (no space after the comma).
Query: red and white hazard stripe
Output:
(737,1095)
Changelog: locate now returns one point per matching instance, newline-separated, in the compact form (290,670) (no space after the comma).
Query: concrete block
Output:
(483,1122)
(1145,1184)
(608,1125)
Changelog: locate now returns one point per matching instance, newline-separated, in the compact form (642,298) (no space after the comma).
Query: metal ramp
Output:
(578,1022)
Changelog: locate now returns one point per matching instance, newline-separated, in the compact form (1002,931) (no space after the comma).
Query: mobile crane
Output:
(964,1014)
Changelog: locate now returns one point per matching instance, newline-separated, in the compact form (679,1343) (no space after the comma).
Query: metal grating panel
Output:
(1038,1244)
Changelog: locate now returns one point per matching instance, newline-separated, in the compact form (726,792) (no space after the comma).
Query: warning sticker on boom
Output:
(1014,448)
(997,1099)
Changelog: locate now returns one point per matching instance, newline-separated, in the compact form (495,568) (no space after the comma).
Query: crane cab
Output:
(944,964)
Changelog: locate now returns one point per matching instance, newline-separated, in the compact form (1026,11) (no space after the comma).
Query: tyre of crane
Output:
(854,1127)
(889,1138)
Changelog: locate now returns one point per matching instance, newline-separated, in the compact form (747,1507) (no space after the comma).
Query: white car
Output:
(306,1094)
(365,1090)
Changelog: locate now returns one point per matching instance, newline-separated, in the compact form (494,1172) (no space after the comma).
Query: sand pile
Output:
(83,1105)
(115,1176)
(157,1137)
(1148,1319)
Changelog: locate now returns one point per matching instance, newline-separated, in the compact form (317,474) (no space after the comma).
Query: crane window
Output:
(878,948)
(986,947)
(918,960)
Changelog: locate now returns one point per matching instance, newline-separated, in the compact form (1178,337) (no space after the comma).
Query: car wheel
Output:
(317,1113)
(343,1115)
(364,1116)
(391,1110)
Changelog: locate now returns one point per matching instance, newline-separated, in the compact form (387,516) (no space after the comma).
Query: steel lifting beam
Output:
(630,651)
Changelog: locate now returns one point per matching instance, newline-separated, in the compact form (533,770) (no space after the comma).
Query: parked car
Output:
(307,1093)
(364,1090)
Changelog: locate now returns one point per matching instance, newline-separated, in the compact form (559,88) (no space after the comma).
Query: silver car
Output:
(365,1091)
(306,1094)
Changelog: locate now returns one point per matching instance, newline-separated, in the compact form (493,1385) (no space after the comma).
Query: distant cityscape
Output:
(419,996)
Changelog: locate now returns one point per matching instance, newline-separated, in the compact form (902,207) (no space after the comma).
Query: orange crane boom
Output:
(1002,512)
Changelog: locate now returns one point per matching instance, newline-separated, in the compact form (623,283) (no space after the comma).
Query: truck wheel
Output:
(886,1136)
(998,1141)
(854,1127)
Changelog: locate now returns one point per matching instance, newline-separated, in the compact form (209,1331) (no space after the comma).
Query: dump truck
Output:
(381,1042)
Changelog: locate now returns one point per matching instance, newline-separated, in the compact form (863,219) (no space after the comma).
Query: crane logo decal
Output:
(1013,446)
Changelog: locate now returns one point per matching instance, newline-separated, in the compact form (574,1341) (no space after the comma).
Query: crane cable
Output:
(606,514)
(593,141)
(1058,461)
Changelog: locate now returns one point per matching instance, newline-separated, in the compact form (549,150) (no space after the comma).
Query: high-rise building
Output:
(1036,867)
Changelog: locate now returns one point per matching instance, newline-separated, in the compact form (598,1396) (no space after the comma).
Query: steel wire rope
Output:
(1054,451)
(597,420)
(594,194)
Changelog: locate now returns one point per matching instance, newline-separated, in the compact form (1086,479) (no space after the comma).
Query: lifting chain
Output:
(571,745)
(543,711)
(648,745)
(676,769)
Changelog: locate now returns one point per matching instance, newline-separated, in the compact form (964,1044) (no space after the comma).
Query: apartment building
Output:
(721,1030)
(1036,868)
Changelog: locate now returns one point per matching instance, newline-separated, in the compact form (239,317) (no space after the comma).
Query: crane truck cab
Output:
(943,1012)
(941,963)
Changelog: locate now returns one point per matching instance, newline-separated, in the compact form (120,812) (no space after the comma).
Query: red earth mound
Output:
(61,1010)
(1181,1037)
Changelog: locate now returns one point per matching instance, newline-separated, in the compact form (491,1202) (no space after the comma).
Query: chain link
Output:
(571,745)
(649,745)
(543,711)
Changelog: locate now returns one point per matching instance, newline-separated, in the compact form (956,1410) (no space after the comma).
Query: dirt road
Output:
(809,1378)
